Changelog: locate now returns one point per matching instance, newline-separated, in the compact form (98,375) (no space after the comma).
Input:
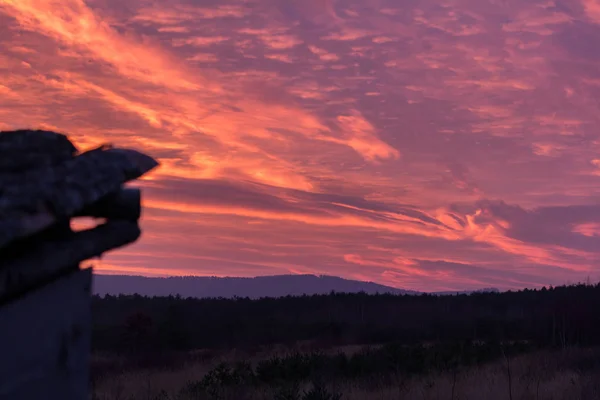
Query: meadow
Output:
(351,373)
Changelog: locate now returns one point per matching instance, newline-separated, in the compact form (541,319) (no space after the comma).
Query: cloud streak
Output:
(438,146)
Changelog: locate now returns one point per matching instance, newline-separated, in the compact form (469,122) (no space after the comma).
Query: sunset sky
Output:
(422,144)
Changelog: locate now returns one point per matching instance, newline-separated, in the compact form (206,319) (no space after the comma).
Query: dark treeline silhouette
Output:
(561,316)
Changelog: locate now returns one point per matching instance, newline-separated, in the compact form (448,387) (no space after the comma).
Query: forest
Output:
(394,338)
(560,316)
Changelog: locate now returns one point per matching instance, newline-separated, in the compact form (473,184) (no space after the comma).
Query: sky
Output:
(427,145)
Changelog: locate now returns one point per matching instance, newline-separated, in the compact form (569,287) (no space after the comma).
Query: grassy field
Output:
(570,373)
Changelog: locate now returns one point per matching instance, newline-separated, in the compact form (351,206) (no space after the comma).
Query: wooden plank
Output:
(45,341)
(36,260)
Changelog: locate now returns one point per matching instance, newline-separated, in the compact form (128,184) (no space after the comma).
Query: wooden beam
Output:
(45,341)
(32,262)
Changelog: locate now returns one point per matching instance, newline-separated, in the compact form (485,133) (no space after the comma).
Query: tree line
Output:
(549,317)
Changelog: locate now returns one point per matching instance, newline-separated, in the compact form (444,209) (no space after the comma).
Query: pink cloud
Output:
(440,146)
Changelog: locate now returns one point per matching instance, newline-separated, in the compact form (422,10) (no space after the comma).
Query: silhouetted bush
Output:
(369,368)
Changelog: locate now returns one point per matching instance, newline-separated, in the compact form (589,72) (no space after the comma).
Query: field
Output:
(570,373)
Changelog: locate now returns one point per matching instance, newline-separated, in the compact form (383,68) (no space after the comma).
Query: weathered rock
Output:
(26,149)
(35,196)
(29,264)
(44,296)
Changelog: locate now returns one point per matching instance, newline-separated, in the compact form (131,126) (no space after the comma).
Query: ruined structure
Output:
(44,292)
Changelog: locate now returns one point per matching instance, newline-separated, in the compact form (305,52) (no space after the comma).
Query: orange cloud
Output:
(363,139)
(74,23)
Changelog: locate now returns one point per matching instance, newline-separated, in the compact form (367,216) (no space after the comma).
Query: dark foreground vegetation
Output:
(532,344)
(564,374)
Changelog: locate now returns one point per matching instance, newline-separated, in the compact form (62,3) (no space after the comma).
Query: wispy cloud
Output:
(442,145)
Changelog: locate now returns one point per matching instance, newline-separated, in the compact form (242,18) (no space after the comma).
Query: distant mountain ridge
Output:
(229,287)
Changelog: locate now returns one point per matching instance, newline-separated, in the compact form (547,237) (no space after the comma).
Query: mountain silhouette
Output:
(228,287)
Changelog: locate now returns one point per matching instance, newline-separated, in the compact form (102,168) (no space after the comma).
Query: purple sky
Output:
(428,145)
